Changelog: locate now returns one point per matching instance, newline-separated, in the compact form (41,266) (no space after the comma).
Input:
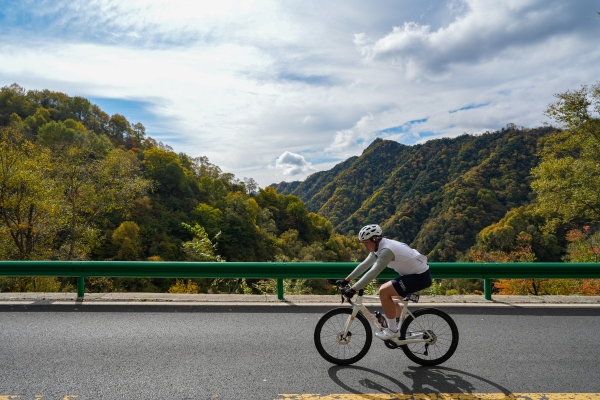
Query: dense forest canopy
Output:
(79,184)
(436,196)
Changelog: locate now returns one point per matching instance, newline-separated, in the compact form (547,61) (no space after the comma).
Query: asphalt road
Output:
(267,352)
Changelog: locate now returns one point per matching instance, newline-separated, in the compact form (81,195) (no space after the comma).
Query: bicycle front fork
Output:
(349,322)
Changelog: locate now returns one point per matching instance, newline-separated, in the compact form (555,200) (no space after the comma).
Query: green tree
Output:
(92,188)
(62,134)
(251,185)
(35,121)
(77,108)
(119,129)
(126,238)
(13,99)
(211,189)
(138,136)
(58,132)
(97,120)
(507,236)
(291,245)
(200,248)
(567,180)
(265,222)
(240,235)
(209,217)
(204,168)
(16,123)
(164,167)
(584,245)
(28,198)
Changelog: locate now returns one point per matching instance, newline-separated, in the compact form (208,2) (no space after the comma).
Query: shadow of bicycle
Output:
(360,380)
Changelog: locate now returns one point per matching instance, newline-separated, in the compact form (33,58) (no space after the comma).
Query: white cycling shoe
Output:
(387,334)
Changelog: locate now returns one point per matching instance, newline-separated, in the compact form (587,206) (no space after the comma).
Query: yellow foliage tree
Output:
(181,287)
(127,239)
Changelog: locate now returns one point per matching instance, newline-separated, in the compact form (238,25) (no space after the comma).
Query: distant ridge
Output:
(436,196)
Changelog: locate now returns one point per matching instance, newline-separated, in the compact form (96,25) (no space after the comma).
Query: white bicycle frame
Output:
(359,306)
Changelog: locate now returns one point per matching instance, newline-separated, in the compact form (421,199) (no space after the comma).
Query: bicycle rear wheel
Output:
(337,349)
(439,328)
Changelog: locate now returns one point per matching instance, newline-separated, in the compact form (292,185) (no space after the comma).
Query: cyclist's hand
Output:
(349,293)
(341,283)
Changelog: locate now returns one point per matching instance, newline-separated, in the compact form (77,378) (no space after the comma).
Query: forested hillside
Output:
(78,184)
(516,194)
(436,196)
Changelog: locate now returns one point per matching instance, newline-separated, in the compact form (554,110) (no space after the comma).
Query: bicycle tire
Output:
(436,324)
(328,339)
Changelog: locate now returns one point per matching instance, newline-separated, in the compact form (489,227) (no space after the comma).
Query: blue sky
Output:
(278,90)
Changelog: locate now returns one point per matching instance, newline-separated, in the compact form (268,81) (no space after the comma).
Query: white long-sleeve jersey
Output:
(393,254)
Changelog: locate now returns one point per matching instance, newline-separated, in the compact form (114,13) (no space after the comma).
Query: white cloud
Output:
(343,141)
(292,164)
(245,82)
(349,142)
(481,32)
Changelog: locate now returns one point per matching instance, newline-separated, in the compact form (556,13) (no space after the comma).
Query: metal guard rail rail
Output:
(292,270)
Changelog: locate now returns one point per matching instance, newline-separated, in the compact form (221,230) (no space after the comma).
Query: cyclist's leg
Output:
(398,307)
(401,287)
(386,293)
(398,288)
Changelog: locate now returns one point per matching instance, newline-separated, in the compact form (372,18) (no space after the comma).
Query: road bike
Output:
(428,336)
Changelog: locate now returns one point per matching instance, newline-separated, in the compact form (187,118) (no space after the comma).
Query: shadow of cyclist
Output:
(424,380)
(448,380)
(438,380)
(366,384)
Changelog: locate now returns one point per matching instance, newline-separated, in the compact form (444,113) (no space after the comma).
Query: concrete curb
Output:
(239,299)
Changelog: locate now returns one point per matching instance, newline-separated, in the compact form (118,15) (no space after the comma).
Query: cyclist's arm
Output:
(385,256)
(362,267)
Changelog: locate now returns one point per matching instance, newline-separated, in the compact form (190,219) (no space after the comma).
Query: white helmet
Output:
(369,231)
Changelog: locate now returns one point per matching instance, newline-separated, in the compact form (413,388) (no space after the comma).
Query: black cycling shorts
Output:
(407,284)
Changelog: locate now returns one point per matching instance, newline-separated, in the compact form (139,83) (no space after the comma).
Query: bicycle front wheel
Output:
(438,328)
(337,348)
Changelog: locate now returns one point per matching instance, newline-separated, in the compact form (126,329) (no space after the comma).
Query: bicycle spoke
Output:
(443,332)
(333,346)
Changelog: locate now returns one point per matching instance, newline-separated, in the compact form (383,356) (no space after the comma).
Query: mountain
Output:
(435,196)
(76,183)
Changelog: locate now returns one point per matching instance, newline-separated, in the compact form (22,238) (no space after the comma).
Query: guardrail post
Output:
(280,288)
(487,289)
(80,286)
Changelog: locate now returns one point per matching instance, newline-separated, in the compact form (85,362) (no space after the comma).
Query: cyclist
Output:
(409,263)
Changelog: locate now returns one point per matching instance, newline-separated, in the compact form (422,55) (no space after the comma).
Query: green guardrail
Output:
(296,270)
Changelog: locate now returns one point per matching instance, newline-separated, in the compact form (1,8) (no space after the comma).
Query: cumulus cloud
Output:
(343,141)
(348,142)
(482,31)
(292,164)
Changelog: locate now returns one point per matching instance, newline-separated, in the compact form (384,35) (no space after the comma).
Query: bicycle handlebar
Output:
(360,292)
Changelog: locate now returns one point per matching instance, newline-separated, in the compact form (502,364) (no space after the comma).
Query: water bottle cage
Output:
(381,319)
